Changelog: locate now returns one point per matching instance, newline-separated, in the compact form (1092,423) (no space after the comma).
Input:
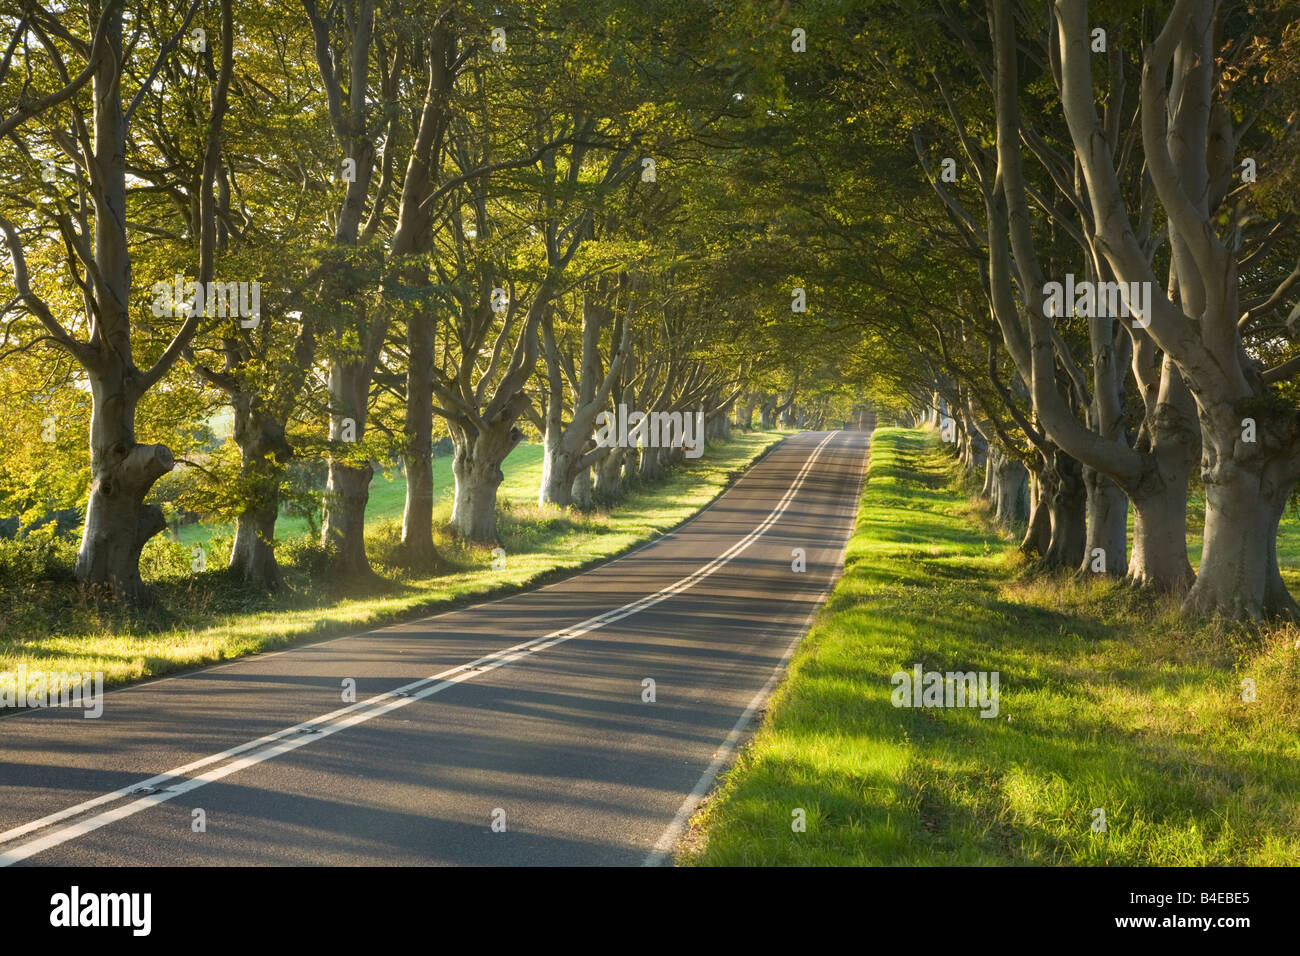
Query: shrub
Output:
(304,553)
(40,555)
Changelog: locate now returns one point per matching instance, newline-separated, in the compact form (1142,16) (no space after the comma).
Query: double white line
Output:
(172,784)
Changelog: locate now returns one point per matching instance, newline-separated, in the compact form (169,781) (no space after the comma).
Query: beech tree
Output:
(497,221)
(1190,143)
(92,223)
(271,194)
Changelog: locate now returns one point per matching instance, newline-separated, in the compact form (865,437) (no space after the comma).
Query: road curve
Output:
(514,732)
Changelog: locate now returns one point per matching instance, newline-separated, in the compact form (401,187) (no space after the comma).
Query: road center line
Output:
(291,738)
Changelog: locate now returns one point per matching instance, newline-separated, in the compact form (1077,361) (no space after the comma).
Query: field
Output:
(523,470)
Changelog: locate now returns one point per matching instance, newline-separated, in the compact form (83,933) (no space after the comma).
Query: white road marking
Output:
(663,849)
(291,738)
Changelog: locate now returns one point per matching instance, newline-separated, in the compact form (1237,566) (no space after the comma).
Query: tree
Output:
(92,224)
(1190,142)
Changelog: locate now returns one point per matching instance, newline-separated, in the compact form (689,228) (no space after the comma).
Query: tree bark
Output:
(1246,491)
(263,449)
(1107,525)
(1038,535)
(1159,558)
(717,425)
(556,486)
(652,464)
(989,490)
(1012,483)
(582,490)
(978,449)
(1066,508)
(121,472)
(1246,483)
(98,261)
(347,486)
(417,512)
(609,477)
(252,558)
(417,457)
(476,465)
(118,522)
(1062,499)
(343,526)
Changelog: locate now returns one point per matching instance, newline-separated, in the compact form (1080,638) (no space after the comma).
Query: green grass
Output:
(523,471)
(1108,700)
(203,618)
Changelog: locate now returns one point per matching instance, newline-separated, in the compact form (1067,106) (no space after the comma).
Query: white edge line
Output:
(663,848)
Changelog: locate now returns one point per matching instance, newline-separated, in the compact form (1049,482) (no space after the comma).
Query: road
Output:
(515,732)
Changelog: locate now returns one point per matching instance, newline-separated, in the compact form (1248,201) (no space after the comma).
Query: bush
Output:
(39,556)
(384,544)
(163,557)
(304,553)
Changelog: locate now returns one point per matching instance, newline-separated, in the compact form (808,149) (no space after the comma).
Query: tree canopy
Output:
(255,252)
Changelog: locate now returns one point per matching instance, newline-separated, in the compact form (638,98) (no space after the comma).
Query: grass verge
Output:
(46,624)
(1108,701)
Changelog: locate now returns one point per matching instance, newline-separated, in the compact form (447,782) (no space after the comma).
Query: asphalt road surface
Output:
(516,732)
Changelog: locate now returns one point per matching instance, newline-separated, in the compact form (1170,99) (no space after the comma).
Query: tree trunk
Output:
(474,507)
(1245,495)
(557,468)
(347,487)
(417,512)
(609,476)
(652,464)
(476,465)
(1038,536)
(417,457)
(1187,136)
(569,451)
(343,525)
(118,522)
(1107,526)
(1160,540)
(1159,496)
(558,446)
(1057,525)
(717,426)
(581,492)
(978,450)
(263,449)
(967,453)
(252,558)
(1012,481)
(1066,501)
